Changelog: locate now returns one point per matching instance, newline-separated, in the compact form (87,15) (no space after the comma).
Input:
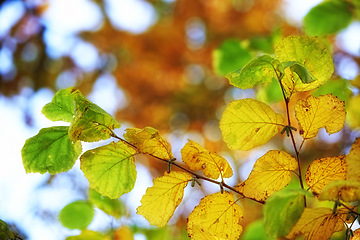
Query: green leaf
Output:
(229,56)
(76,215)
(110,169)
(256,231)
(91,123)
(5,232)
(304,75)
(61,107)
(282,210)
(338,87)
(259,70)
(113,207)
(328,17)
(311,54)
(50,151)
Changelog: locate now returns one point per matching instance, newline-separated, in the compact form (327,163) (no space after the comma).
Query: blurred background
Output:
(158,63)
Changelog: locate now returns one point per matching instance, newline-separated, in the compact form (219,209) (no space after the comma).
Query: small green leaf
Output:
(110,169)
(61,108)
(304,75)
(229,56)
(259,70)
(50,151)
(282,210)
(76,215)
(113,207)
(328,17)
(91,123)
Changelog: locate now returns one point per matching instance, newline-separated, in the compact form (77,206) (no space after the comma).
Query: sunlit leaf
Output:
(148,140)
(61,107)
(325,170)
(230,56)
(50,151)
(346,191)
(248,123)
(356,235)
(353,112)
(318,223)
(353,163)
(282,210)
(211,163)
(328,17)
(160,201)
(91,123)
(259,70)
(270,173)
(76,215)
(89,235)
(311,54)
(218,216)
(315,113)
(113,207)
(110,169)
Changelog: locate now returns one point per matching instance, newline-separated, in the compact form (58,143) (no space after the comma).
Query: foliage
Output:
(300,64)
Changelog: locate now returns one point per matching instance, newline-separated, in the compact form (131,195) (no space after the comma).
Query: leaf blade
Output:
(61,107)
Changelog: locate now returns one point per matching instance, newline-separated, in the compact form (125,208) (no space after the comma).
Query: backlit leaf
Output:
(318,223)
(315,113)
(61,107)
(346,191)
(211,163)
(230,56)
(91,123)
(76,215)
(261,69)
(282,210)
(325,170)
(270,173)
(248,123)
(218,216)
(328,17)
(353,162)
(148,140)
(110,169)
(113,207)
(311,54)
(50,151)
(160,201)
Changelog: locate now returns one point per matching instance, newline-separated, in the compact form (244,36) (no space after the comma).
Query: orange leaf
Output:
(352,160)
(323,171)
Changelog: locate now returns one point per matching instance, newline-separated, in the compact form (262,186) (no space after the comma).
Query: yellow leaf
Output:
(160,201)
(356,235)
(318,223)
(216,217)
(325,170)
(344,190)
(318,112)
(270,173)
(248,123)
(353,162)
(211,163)
(149,141)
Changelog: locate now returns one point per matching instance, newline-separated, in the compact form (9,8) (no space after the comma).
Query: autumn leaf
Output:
(91,123)
(318,112)
(261,69)
(160,201)
(50,151)
(61,107)
(325,170)
(308,52)
(282,210)
(149,141)
(352,160)
(270,173)
(248,123)
(110,169)
(344,190)
(356,235)
(216,217)
(211,163)
(318,223)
